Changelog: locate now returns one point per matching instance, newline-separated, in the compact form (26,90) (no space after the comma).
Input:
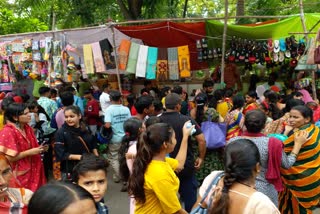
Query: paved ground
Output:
(117,202)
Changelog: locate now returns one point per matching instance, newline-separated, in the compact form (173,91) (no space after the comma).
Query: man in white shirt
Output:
(105,98)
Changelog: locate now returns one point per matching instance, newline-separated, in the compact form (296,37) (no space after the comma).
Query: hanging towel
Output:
(142,61)
(106,51)
(152,63)
(133,58)
(123,52)
(184,61)
(173,63)
(162,64)
(97,56)
(88,59)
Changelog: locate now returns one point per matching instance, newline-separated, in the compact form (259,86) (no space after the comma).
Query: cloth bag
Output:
(214,133)
(302,62)
(202,208)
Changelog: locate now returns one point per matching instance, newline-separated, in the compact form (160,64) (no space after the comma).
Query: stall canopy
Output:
(170,34)
(276,30)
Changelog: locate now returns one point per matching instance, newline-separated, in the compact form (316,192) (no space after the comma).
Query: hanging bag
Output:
(202,207)
(214,133)
(302,62)
(310,57)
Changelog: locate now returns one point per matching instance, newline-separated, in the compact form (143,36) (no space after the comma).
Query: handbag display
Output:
(202,208)
(214,133)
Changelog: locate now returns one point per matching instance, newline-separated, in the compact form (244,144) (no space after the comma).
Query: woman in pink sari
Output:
(19,144)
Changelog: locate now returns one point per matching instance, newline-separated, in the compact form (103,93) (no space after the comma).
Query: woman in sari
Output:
(19,144)
(12,198)
(234,118)
(251,104)
(302,183)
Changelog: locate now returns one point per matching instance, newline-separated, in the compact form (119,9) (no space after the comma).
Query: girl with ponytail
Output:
(242,165)
(153,183)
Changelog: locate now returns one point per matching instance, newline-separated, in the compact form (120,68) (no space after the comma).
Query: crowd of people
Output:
(51,161)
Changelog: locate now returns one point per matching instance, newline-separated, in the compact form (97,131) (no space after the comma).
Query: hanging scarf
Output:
(152,63)
(162,64)
(133,58)
(173,63)
(142,61)
(184,61)
(97,56)
(88,58)
(123,52)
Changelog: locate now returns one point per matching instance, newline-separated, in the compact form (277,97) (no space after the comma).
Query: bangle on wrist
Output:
(294,154)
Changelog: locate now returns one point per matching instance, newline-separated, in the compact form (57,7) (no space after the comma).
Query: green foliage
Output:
(10,24)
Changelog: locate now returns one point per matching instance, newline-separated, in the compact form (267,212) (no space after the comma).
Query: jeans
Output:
(113,158)
(188,191)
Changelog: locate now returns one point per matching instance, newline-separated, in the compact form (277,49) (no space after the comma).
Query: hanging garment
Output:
(47,48)
(173,63)
(106,51)
(133,58)
(162,64)
(57,66)
(184,61)
(123,53)
(97,56)
(152,63)
(142,61)
(88,59)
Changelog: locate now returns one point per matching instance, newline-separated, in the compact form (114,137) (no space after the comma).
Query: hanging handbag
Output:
(214,133)
(310,55)
(202,207)
(302,62)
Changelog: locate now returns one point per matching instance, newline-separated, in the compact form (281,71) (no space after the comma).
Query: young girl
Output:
(153,183)
(132,128)
(72,140)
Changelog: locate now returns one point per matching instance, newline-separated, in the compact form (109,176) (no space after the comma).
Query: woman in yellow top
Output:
(153,183)
(222,106)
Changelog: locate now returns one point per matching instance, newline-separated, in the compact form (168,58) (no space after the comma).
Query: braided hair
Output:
(241,157)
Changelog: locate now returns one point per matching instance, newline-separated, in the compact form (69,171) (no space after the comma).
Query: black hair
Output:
(158,106)
(240,159)
(201,100)
(297,94)
(54,198)
(70,88)
(143,102)
(25,98)
(272,78)
(177,89)
(228,92)
(253,82)
(305,111)
(152,120)
(147,82)
(132,129)
(151,143)
(131,98)
(76,110)
(67,98)
(207,83)
(273,98)
(104,86)
(89,162)
(253,94)
(164,91)
(32,104)
(115,95)
(88,92)
(238,102)
(172,100)
(53,91)
(255,120)
(43,90)
(6,102)
(292,103)
(14,110)
(218,94)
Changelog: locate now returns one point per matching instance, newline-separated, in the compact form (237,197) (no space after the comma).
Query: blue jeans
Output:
(188,191)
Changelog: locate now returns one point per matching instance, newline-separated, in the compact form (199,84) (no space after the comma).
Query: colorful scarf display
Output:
(152,63)
(184,61)
(97,56)
(106,51)
(123,52)
(173,63)
(142,61)
(88,59)
(133,58)
(162,64)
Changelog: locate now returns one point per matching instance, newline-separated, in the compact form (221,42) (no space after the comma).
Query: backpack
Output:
(53,122)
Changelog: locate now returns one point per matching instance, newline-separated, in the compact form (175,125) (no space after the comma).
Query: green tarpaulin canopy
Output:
(276,30)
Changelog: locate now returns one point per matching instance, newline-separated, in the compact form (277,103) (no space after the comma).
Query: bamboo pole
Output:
(115,56)
(224,37)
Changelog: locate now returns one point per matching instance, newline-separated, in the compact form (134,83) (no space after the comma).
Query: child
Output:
(91,112)
(91,174)
(132,128)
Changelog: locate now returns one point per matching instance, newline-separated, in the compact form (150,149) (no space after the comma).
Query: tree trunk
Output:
(185,8)
(125,12)
(240,10)
(135,8)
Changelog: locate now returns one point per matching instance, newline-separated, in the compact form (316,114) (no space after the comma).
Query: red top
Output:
(91,112)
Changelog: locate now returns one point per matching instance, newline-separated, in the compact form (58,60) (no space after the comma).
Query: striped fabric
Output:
(302,180)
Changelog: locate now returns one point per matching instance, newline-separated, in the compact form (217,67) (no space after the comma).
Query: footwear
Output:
(124,187)
(115,179)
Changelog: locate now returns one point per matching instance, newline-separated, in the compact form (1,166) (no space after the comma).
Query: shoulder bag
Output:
(214,133)
(202,207)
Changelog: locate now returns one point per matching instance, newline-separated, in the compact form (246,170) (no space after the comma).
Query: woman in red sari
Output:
(251,104)
(19,144)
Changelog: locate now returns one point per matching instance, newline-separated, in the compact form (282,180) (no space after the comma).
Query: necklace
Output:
(246,185)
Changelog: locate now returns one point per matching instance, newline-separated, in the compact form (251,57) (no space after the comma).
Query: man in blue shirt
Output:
(116,114)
